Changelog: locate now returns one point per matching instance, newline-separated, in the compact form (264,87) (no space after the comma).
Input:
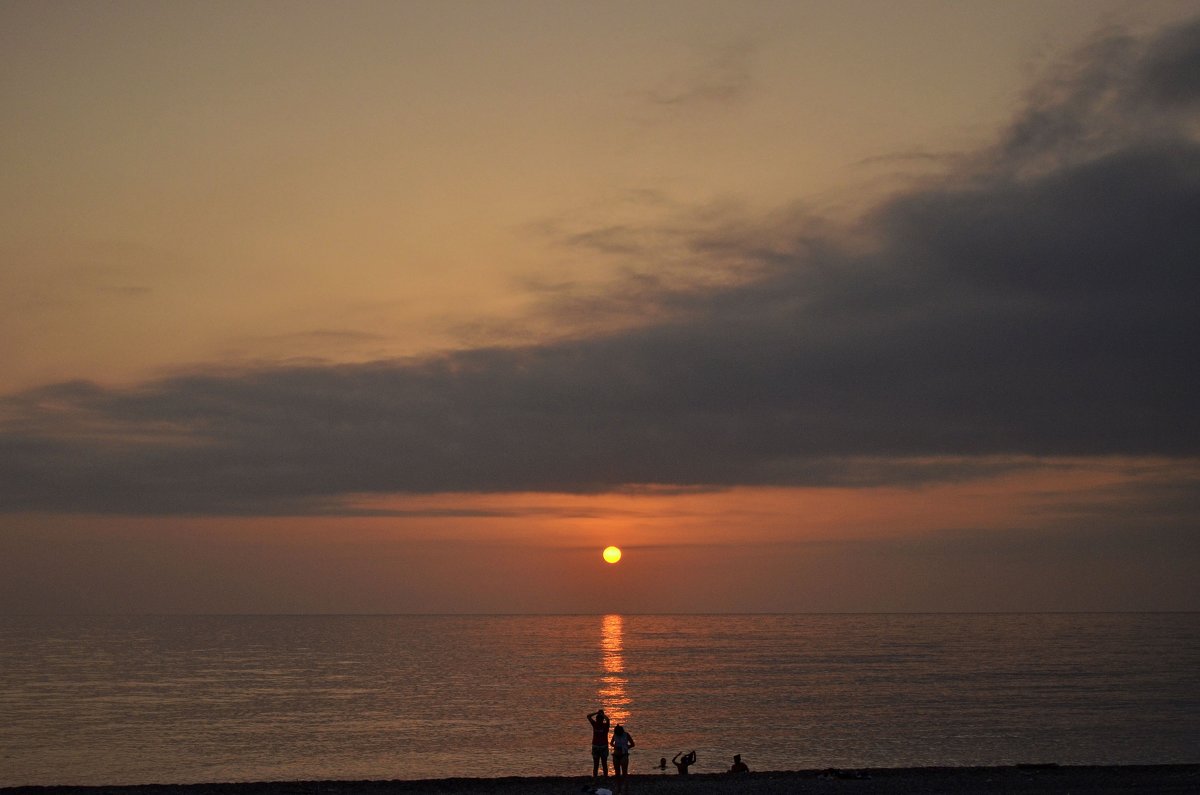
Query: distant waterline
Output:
(127,700)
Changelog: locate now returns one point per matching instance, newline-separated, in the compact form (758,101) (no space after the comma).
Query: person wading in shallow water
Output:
(682,762)
(600,725)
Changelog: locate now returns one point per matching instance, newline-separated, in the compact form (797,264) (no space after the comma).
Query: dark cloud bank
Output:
(1043,299)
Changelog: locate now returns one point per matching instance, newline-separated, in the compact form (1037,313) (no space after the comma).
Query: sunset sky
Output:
(417,306)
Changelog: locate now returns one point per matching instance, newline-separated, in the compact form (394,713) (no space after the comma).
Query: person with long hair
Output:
(622,744)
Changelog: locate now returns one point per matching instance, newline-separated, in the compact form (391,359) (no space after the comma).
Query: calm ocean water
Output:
(88,700)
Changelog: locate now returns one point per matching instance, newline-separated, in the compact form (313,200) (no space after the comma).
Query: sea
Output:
(189,699)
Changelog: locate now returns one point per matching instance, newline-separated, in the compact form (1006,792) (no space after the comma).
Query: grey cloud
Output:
(1170,72)
(1116,91)
(1007,312)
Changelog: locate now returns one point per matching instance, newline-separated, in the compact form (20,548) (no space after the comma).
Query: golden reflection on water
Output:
(612,691)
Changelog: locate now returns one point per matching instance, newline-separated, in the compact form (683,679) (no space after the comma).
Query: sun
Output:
(612,554)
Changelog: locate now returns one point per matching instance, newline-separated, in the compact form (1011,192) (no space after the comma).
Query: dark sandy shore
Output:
(1027,779)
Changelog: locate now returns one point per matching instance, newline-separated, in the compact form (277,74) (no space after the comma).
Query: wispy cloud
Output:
(724,77)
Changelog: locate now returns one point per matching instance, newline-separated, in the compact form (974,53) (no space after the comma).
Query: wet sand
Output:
(1027,779)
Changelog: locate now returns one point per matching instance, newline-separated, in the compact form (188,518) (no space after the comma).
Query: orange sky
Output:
(238,182)
(394,307)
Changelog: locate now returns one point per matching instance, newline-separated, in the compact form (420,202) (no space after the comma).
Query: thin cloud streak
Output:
(724,78)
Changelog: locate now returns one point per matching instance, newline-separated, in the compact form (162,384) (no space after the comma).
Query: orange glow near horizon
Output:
(739,549)
(1010,498)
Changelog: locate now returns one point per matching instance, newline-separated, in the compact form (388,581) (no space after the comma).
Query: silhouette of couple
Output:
(622,743)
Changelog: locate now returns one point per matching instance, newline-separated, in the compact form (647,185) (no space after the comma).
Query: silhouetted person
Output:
(622,744)
(662,763)
(600,724)
(683,762)
(738,765)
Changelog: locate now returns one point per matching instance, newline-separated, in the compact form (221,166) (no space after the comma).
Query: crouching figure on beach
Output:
(738,765)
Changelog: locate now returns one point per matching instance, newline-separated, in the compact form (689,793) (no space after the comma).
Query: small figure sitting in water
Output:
(683,762)
(662,764)
(738,765)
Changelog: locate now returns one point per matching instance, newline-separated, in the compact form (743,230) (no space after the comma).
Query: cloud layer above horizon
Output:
(1036,299)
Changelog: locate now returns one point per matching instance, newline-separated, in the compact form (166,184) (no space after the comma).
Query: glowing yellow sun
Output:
(612,554)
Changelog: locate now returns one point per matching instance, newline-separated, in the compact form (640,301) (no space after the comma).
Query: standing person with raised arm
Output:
(600,724)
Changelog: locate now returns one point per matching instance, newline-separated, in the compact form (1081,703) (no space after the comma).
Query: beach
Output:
(1027,779)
